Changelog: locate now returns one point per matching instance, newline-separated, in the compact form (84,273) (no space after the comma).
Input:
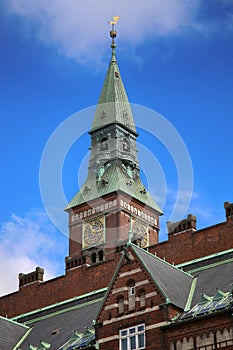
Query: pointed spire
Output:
(113,105)
(113,164)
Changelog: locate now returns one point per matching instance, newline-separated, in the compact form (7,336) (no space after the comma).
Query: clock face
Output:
(140,232)
(93,232)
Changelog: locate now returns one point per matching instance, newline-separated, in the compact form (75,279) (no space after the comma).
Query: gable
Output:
(130,277)
(175,284)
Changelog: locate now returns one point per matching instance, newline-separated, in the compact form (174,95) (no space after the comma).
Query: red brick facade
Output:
(84,278)
(189,245)
(216,331)
(149,308)
(153,313)
(213,332)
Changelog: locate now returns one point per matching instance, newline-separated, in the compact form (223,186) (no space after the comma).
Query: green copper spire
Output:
(113,105)
(113,164)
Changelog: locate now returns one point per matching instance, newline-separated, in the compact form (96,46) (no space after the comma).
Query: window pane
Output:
(132,330)
(124,344)
(132,290)
(133,343)
(141,341)
(124,332)
(133,338)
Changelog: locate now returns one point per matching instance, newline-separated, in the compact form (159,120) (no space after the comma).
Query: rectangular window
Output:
(131,298)
(133,338)
(132,290)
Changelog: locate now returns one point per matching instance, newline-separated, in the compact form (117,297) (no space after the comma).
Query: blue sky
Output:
(175,58)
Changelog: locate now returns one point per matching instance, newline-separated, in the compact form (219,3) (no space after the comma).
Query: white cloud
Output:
(78,28)
(25,243)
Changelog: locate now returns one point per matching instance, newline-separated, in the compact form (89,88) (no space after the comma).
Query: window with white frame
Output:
(131,295)
(132,290)
(132,338)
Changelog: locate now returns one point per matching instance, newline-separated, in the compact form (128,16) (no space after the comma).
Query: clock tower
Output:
(112,207)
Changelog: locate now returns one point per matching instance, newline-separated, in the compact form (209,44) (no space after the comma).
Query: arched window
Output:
(93,258)
(142,298)
(101,255)
(121,307)
(171,346)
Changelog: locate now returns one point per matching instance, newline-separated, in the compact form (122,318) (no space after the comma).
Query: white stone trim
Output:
(125,317)
(157,325)
(152,294)
(111,306)
(136,211)
(132,272)
(104,340)
(141,283)
(125,288)
(118,290)
(147,328)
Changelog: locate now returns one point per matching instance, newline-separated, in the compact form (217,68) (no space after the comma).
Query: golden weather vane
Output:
(113,32)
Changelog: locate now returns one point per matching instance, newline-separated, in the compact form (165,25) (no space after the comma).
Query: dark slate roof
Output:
(213,277)
(207,260)
(58,324)
(174,284)
(10,333)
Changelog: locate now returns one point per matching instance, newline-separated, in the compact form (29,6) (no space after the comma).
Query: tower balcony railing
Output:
(103,155)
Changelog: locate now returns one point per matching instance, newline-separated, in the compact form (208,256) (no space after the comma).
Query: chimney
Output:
(229,210)
(188,224)
(31,277)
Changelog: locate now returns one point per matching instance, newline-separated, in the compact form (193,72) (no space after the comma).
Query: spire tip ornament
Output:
(113,32)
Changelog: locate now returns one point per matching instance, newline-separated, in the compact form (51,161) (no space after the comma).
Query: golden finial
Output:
(113,32)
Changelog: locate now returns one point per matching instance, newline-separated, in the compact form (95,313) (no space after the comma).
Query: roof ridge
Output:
(161,272)
(191,294)
(205,257)
(210,266)
(165,261)
(14,322)
(62,311)
(58,304)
